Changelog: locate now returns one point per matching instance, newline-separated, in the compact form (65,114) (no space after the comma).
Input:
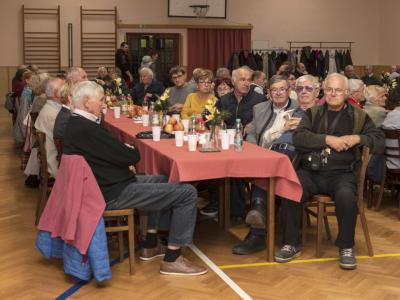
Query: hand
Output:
(148,96)
(132,169)
(176,107)
(351,140)
(336,143)
(101,82)
(246,129)
(292,123)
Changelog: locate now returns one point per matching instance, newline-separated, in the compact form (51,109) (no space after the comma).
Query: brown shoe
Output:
(151,253)
(182,267)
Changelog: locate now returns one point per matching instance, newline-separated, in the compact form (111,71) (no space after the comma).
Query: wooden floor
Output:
(24,274)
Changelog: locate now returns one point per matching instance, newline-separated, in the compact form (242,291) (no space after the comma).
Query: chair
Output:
(322,202)
(391,177)
(44,176)
(114,223)
(118,227)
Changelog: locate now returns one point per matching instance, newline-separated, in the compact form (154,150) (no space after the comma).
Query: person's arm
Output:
(304,139)
(186,110)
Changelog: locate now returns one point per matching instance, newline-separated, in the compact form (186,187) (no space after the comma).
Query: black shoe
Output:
(287,253)
(251,244)
(256,216)
(211,209)
(347,259)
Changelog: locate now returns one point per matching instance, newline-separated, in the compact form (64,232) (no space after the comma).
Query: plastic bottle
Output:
(238,142)
(192,126)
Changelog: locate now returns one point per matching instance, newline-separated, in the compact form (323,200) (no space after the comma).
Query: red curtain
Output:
(212,48)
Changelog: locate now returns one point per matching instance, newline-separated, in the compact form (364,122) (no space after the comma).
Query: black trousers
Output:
(342,187)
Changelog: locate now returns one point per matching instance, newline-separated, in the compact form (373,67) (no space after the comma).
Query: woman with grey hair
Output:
(148,87)
(356,91)
(376,97)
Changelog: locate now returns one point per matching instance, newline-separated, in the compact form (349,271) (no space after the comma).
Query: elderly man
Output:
(268,118)
(111,161)
(180,90)
(369,77)
(349,72)
(328,139)
(241,100)
(300,70)
(76,74)
(46,119)
(148,87)
(356,92)
(259,79)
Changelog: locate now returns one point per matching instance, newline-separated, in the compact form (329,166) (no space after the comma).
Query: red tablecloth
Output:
(180,165)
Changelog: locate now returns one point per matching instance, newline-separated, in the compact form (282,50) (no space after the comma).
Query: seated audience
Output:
(45,121)
(369,77)
(64,114)
(196,102)
(111,162)
(101,77)
(375,96)
(349,72)
(335,152)
(259,80)
(222,87)
(222,73)
(356,92)
(180,90)
(76,74)
(147,87)
(394,72)
(265,116)
(300,70)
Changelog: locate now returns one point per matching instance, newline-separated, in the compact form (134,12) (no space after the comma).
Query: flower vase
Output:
(214,141)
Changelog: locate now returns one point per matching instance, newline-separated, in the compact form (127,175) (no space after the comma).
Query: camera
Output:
(315,160)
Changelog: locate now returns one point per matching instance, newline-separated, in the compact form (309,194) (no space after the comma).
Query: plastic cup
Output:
(192,142)
(231,133)
(185,123)
(179,138)
(145,120)
(117,112)
(156,130)
(177,117)
(224,140)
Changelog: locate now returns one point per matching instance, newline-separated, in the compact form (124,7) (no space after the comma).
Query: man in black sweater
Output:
(111,162)
(328,139)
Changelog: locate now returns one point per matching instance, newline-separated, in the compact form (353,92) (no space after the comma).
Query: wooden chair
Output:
(322,202)
(46,183)
(391,177)
(115,223)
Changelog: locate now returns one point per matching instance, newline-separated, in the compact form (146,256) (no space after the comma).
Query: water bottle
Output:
(151,112)
(192,126)
(145,106)
(238,142)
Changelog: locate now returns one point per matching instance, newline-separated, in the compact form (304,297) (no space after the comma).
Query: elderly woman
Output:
(356,91)
(148,87)
(222,87)
(375,106)
(196,102)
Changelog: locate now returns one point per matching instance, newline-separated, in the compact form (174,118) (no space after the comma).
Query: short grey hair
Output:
(146,71)
(83,90)
(277,78)
(73,72)
(344,78)
(355,85)
(223,72)
(310,78)
(53,87)
(241,69)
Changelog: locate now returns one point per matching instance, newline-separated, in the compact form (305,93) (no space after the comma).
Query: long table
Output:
(268,169)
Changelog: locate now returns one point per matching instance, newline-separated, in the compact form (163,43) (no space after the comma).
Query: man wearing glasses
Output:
(328,139)
(265,115)
(180,90)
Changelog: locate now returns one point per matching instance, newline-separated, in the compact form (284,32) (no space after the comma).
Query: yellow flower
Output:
(118,81)
(165,95)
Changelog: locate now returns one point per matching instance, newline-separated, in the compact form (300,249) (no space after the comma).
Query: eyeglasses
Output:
(330,90)
(307,88)
(280,90)
(204,81)
(176,76)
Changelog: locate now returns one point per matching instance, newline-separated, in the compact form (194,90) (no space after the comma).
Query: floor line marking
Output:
(301,261)
(237,289)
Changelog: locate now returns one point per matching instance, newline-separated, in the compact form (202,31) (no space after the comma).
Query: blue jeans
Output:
(154,195)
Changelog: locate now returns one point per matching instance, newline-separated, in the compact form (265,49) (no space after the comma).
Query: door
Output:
(167,45)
